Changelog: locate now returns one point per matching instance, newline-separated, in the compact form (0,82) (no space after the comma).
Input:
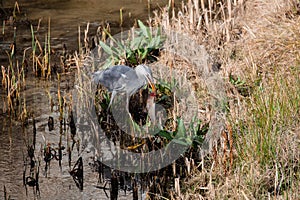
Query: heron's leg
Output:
(127,106)
(127,103)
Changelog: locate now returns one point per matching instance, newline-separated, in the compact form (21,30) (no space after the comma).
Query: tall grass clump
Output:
(41,56)
(13,81)
(273,109)
(15,73)
(266,147)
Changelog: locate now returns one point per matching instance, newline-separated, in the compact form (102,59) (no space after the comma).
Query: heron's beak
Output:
(151,84)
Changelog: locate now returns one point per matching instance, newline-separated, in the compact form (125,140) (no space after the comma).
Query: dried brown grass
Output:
(257,41)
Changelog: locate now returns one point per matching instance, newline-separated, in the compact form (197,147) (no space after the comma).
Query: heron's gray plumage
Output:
(123,79)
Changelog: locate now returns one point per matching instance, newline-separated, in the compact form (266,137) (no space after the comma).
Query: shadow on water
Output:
(41,157)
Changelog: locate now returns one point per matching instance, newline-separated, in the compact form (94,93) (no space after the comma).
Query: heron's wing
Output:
(122,69)
(116,78)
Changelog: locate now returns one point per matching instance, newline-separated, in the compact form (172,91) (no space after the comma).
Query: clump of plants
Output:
(141,46)
(13,75)
(41,56)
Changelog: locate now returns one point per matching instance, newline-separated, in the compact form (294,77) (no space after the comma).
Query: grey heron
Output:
(124,79)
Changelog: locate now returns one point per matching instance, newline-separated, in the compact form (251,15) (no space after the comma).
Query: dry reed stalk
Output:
(9,100)
(229,10)
(4,81)
(48,51)
(202,5)
(188,165)
(177,186)
(229,129)
(197,9)
(121,17)
(86,39)
(60,98)
(23,116)
(210,10)
(224,159)
(79,41)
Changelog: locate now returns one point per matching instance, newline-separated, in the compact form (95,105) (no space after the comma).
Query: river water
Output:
(16,172)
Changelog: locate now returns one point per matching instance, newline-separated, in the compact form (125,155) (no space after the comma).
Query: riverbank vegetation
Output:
(257,45)
(252,45)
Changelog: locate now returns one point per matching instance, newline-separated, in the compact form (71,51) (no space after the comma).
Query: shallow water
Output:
(56,182)
(66,16)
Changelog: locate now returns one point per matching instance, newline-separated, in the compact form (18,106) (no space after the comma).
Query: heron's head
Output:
(145,71)
(96,76)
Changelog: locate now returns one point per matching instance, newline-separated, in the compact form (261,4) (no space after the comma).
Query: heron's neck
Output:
(143,80)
